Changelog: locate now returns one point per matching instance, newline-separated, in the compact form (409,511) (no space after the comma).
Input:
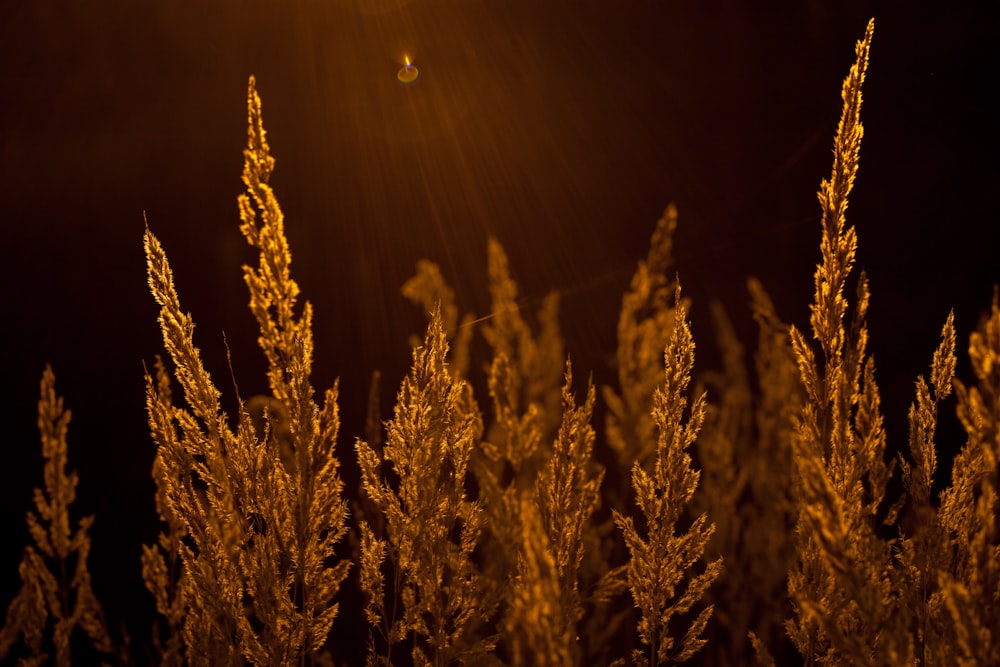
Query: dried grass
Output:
(489,534)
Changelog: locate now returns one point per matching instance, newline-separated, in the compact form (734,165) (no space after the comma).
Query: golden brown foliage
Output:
(536,626)
(161,566)
(970,579)
(644,324)
(429,289)
(527,369)
(510,564)
(431,527)
(923,553)
(56,599)
(525,481)
(256,539)
(661,561)
(842,588)
(556,527)
(568,492)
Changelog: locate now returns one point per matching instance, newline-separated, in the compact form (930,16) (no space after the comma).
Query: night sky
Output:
(561,127)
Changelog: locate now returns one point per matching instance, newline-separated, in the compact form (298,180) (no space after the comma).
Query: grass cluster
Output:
(738,515)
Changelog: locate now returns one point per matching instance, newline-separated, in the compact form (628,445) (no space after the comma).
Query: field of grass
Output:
(754,514)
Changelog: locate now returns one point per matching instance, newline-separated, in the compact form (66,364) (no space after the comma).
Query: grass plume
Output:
(255,539)
(56,598)
(431,527)
(660,571)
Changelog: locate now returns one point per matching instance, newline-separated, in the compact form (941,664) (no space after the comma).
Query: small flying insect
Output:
(407,73)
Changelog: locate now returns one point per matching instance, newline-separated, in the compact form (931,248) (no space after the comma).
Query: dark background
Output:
(562,128)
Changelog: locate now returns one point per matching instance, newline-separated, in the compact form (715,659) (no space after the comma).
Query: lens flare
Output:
(407,73)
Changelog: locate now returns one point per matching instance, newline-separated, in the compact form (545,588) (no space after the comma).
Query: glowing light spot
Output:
(407,73)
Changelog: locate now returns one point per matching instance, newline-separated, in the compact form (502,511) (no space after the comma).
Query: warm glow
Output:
(408,73)
(346,427)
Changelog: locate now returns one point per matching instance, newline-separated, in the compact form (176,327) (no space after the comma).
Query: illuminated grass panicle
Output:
(429,289)
(842,587)
(923,546)
(535,363)
(567,494)
(969,581)
(257,545)
(523,381)
(162,571)
(660,571)
(56,599)
(432,528)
